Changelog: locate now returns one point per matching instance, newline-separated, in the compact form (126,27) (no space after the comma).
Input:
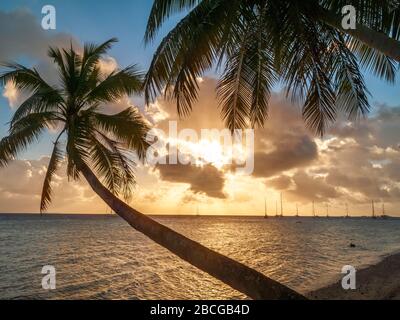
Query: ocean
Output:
(102,257)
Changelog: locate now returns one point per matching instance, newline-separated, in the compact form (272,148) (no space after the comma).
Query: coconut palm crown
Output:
(108,143)
(296,44)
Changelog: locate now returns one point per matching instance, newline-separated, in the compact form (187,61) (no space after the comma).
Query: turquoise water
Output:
(101,257)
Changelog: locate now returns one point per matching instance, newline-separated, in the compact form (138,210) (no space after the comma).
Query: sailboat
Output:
(383,216)
(347,211)
(373,209)
(281,206)
(265,209)
(297,210)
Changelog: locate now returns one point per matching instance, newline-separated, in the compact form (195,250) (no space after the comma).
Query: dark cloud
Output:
(291,153)
(282,182)
(22,36)
(310,188)
(284,143)
(206,179)
(360,162)
(369,184)
(355,159)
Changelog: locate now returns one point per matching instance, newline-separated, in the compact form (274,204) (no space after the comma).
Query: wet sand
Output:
(380,281)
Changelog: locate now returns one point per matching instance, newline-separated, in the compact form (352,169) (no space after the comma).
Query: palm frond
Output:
(55,159)
(105,163)
(45,119)
(234,90)
(116,85)
(319,108)
(11,145)
(161,10)
(79,133)
(261,62)
(93,52)
(128,126)
(375,61)
(125,165)
(41,101)
(188,51)
(351,91)
(23,78)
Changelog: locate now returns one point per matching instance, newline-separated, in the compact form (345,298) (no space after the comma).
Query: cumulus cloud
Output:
(21,36)
(21,186)
(202,179)
(355,161)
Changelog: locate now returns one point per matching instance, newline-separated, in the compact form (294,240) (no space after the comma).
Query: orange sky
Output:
(353,163)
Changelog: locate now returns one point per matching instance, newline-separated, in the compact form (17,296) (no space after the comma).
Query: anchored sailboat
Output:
(265,209)
(373,209)
(384,216)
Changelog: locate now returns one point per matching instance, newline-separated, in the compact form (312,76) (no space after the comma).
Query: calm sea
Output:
(101,257)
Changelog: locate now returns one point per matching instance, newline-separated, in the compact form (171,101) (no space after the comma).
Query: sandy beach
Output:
(377,282)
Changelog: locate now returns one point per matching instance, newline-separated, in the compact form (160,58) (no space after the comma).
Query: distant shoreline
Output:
(380,281)
(197,216)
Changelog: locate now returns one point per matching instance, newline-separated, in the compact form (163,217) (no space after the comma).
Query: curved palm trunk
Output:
(238,276)
(373,39)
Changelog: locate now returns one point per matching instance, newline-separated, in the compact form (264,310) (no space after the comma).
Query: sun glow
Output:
(212,152)
(11,93)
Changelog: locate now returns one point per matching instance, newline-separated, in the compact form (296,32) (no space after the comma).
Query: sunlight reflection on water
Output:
(104,258)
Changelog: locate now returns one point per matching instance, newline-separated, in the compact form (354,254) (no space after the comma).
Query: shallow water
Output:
(101,257)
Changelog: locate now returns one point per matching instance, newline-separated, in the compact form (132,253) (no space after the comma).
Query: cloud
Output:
(288,154)
(202,179)
(22,37)
(310,188)
(21,185)
(11,94)
(355,161)
(108,64)
(280,182)
(358,161)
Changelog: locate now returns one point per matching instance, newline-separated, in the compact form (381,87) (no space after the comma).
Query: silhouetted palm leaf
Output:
(261,42)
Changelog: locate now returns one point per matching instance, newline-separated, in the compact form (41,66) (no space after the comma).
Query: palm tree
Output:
(102,146)
(300,44)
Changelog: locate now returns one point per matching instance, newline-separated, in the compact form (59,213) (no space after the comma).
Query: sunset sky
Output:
(354,163)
